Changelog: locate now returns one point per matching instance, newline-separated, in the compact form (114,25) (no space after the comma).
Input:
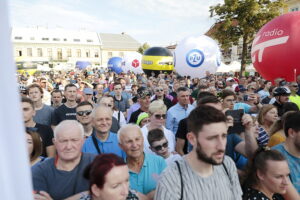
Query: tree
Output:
(143,48)
(240,20)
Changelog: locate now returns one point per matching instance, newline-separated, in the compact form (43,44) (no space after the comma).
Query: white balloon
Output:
(132,62)
(195,55)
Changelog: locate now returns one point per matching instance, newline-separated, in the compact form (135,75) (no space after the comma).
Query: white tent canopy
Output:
(235,66)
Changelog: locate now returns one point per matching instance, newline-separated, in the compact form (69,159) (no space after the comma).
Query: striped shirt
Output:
(218,186)
(263,137)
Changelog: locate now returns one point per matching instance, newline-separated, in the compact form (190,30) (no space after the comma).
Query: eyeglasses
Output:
(159,147)
(295,86)
(159,90)
(86,112)
(158,116)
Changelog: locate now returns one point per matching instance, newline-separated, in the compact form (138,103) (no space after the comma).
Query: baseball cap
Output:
(142,92)
(88,91)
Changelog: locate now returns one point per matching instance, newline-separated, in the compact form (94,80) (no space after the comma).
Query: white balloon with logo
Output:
(132,62)
(195,56)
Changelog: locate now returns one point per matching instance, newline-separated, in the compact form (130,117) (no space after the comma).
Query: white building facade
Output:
(65,47)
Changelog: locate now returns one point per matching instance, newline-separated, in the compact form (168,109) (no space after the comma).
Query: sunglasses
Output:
(295,86)
(159,90)
(159,147)
(158,116)
(86,112)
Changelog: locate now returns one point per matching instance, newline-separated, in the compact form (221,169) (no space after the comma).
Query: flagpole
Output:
(15,177)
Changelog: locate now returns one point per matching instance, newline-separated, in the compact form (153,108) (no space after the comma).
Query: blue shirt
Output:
(243,106)
(111,145)
(175,114)
(294,165)
(145,181)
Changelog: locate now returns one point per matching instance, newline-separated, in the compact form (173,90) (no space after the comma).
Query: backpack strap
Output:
(96,143)
(226,170)
(181,181)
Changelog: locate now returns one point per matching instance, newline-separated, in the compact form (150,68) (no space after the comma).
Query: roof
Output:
(118,41)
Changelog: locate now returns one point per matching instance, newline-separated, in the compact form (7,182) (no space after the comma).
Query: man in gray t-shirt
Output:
(62,177)
(204,173)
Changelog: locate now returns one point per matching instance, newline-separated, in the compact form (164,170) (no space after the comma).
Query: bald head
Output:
(102,110)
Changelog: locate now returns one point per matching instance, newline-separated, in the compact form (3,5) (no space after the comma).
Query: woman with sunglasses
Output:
(157,115)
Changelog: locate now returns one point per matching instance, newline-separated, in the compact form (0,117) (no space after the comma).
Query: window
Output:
(45,39)
(87,53)
(89,40)
(96,54)
(294,9)
(121,54)
(18,38)
(69,53)
(32,38)
(76,40)
(78,53)
(39,52)
(49,52)
(29,52)
(109,54)
(65,39)
(56,39)
(59,54)
(19,52)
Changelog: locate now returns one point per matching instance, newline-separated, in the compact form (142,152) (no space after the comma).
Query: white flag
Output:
(15,177)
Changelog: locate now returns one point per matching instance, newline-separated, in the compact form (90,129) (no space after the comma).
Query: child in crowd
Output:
(159,145)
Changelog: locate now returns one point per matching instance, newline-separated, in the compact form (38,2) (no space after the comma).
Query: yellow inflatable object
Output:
(158,63)
(156,59)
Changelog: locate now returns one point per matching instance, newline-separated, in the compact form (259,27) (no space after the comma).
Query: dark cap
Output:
(142,92)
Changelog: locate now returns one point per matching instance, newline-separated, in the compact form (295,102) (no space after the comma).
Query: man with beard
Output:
(291,147)
(204,173)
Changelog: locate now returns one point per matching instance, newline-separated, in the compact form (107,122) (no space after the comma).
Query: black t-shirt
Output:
(279,108)
(182,132)
(134,116)
(46,134)
(252,194)
(63,113)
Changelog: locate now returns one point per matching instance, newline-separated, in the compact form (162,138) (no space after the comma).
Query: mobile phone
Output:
(237,121)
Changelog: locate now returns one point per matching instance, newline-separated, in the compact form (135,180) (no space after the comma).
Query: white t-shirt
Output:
(172,158)
(122,118)
(168,134)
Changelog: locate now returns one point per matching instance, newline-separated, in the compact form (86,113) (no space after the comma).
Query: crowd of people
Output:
(95,134)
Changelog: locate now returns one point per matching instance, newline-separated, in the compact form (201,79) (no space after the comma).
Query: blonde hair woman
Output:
(157,115)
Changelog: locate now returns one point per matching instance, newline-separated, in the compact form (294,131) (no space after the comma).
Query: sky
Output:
(157,22)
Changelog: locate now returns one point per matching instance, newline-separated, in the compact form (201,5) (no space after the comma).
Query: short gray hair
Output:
(102,108)
(124,130)
(68,124)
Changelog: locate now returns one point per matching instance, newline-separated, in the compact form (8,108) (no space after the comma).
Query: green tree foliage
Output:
(240,20)
(143,48)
